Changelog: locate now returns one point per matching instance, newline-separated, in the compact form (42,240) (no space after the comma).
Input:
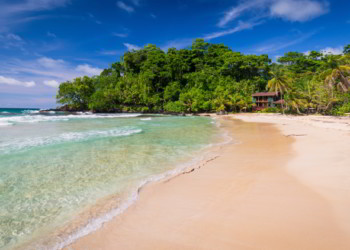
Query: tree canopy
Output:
(211,77)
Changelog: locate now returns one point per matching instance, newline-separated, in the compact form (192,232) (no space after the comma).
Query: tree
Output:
(279,83)
(346,50)
(337,74)
(211,77)
(76,94)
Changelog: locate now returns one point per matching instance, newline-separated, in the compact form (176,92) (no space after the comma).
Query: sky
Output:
(45,42)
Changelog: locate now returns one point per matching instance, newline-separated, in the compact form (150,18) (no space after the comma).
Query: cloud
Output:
(45,69)
(153,16)
(32,5)
(121,35)
(125,7)
(280,43)
(131,47)
(241,26)
(16,12)
(235,12)
(11,40)
(183,43)
(12,81)
(52,83)
(178,44)
(332,51)
(290,10)
(111,52)
(50,63)
(298,10)
(49,34)
(88,70)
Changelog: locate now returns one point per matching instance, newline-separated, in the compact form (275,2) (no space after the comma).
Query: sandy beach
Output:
(285,184)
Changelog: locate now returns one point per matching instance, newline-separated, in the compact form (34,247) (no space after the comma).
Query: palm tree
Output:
(337,74)
(296,100)
(279,83)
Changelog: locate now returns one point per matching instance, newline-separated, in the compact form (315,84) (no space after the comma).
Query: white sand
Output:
(285,186)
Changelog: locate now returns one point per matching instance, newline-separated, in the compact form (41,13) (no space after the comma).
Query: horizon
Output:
(45,43)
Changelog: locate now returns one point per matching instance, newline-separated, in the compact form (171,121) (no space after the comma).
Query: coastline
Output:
(93,217)
(246,198)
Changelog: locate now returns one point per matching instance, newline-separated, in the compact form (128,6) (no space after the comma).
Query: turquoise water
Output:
(55,167)
(15,111)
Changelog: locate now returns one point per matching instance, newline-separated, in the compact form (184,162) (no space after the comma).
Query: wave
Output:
(28,111)
(27,143)
(146,119)
(5,121)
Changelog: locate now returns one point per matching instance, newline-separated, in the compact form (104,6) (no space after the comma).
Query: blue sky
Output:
(45,42)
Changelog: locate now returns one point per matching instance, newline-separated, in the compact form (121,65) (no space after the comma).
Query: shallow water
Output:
(53,167)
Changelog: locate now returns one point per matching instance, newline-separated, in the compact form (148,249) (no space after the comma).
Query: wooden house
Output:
(265,100)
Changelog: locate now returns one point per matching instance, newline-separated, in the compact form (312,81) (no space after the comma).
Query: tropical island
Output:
(210,77)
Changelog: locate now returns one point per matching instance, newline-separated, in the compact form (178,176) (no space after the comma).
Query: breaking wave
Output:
(26,143)
(6,121)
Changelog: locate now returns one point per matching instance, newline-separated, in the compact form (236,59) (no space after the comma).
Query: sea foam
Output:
(53,118)
(26,143)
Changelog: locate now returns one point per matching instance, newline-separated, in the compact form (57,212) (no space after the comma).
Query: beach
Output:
(282,183)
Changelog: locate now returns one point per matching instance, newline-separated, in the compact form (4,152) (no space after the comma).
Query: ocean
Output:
(63,175)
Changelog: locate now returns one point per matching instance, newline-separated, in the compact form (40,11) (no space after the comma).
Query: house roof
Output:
(265,94)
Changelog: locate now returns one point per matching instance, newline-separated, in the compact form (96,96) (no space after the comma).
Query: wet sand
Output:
(253,196)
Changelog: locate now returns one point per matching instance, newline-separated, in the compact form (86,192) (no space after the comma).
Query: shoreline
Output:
(91,219)
(130,230)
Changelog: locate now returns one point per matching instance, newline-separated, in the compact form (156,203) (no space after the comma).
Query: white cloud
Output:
(32,5)
(333,51)
(298,10)
(153,16)
(280,43)
(235,12)
(183,43)
(50,63)
(121,35)
(12,81)
(178,44)
(88,70)
(52,83)
(241,26)
(125,7)
(11,40)
(17,12)
(132,47)
(45,69)
(291,10)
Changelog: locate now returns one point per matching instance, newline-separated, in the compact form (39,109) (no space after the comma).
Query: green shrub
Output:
(270,110)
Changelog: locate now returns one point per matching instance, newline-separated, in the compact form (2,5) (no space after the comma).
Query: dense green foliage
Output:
(211,77)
